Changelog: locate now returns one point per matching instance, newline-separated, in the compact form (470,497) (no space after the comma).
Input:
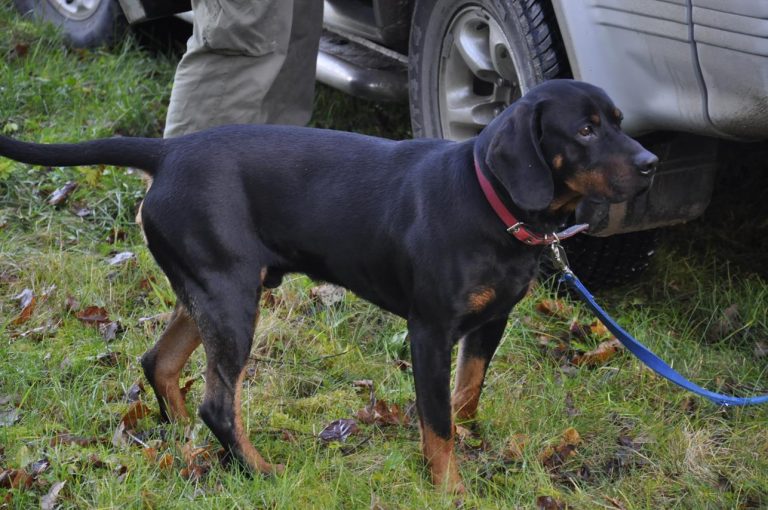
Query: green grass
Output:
(645,444)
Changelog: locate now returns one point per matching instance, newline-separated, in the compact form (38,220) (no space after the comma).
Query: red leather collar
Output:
(517,228)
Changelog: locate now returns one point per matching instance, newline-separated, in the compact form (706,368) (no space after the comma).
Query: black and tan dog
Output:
(404,225)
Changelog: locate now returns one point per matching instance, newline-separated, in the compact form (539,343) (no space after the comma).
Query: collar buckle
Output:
(515,227)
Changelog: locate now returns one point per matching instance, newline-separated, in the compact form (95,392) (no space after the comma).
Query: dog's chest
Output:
(495,296)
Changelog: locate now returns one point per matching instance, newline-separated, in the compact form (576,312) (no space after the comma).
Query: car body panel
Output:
(699,66)
(732,46)
(641,53)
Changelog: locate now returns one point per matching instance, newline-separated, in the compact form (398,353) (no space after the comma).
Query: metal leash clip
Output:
(559,256)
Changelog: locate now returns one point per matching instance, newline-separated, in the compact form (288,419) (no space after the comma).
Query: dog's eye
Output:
(586,131)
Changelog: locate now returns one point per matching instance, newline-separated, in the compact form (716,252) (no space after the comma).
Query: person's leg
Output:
(291,96)
(233,58)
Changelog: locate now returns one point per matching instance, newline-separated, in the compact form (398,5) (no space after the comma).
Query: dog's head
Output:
(564,137)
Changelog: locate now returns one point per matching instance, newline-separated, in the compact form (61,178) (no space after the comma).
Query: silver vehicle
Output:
(685,72)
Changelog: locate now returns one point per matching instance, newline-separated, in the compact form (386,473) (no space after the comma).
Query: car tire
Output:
(459,80)
(470,59)
(85,23)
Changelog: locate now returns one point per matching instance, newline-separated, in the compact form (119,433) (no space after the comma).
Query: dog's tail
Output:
(142,153)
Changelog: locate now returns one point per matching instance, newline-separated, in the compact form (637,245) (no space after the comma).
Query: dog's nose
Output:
(646,163)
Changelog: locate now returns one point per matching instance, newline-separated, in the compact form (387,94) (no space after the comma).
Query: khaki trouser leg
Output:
(246,62)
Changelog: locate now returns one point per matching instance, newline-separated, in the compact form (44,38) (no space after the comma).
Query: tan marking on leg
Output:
(441,459)
(172,350)
(481,298)
(148,181)
(249,452)
(557,162)
(470,373)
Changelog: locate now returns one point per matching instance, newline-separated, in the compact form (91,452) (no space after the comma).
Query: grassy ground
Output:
(639,442)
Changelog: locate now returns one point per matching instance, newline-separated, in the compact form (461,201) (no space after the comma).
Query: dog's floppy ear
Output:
(514,156)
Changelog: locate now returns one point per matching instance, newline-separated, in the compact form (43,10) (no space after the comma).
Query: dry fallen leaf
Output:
(65,438)
(107,359)
(119,438)
(136,412)
(109,330)
(615,503)
(401,364)
(116,235)
(93,315)
(38,333)
(60,195)
(20,50)
(554,308)
(121,258)
(197,459)
(468,439)
(339,430)
(71,304)
(38,467)
(599,330)
(122,435)
(570,408)
(549,503)
(150,453)
(269,299)
(381,413)
(552,457)
(577,331)
(729,323)
(94,461)
(27,302)
(328,294)
(599,356)
(164,461)
(515,446)
(14,479)
(571,436)
(9,416)
(134,392)
(363,384)
(48,502)
(82,211)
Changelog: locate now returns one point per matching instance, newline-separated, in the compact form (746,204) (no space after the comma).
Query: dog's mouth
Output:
(646,187)
(594,212)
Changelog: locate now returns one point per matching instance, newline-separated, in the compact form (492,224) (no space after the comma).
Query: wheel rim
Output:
(76,9)
(478,74)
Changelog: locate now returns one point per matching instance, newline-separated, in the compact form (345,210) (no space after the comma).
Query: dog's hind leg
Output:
(162,364)
(227,321)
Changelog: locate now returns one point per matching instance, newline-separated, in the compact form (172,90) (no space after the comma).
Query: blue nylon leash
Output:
(642,352)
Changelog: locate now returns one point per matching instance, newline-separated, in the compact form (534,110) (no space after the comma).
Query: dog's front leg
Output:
(431,352)
(475,353)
